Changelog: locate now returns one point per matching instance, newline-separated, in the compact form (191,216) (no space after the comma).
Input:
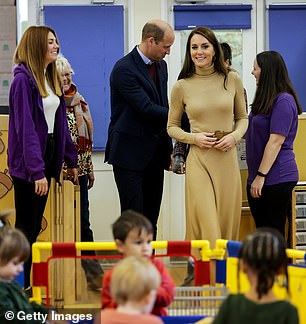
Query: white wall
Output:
(104,203)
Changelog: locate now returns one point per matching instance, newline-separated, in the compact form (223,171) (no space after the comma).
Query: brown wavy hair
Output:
(188,68)
(31,51)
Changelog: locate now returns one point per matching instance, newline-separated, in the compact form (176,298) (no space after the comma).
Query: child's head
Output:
(135,280)
(264,253)
(133,234)
(14,250)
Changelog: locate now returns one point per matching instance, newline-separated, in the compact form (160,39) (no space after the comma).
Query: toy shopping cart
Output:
(190,301)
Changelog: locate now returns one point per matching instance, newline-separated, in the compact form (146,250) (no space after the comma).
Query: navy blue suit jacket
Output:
(139,113)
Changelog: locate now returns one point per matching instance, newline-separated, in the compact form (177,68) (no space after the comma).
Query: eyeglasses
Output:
(66,75)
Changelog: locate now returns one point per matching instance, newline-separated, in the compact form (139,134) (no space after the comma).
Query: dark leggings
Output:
(274,205)
(86,231)
(30,207)
(29,212)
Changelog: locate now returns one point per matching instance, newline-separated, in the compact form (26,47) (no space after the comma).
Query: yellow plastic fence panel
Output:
(231,277)
(297,285)
(297,280)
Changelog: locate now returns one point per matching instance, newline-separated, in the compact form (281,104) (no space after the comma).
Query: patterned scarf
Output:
(75,102)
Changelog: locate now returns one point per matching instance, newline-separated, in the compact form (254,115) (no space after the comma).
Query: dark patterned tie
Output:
(152,71)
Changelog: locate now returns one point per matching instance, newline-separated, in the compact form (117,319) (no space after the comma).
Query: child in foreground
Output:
(133,234)
(134,285)
(14,250)
(262,258)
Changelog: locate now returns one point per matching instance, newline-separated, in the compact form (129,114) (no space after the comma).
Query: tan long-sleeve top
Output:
(208,104)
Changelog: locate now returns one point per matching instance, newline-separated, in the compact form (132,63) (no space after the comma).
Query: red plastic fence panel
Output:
(201,273)
(40,274)
(63,249)
(181,248)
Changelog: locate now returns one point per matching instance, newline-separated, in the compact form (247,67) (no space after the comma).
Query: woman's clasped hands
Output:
(226,143)
(205,140)
(208,140)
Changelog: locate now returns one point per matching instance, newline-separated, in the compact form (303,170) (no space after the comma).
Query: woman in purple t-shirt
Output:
(272,129)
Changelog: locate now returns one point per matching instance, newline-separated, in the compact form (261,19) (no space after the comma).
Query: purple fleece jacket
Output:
(28,131)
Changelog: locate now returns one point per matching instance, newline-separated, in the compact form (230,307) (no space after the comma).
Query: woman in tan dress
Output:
(213,98)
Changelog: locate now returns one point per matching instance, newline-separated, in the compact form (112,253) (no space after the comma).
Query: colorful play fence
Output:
(213,271)
(72,250)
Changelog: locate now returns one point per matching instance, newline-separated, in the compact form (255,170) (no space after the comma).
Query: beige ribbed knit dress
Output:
(213,184)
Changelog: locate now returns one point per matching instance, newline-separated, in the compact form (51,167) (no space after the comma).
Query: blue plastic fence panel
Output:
(20,279)
(165,319)
(221,271)
(181,319)
(212,16)
(92,39)
(284,22)
(233,248)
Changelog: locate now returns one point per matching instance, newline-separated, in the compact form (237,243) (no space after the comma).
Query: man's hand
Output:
(179,164)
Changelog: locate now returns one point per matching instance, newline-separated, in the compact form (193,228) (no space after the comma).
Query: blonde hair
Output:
(62,63)
(133,279)
(31,51)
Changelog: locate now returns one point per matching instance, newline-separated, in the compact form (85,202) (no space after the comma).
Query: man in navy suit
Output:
(138,145)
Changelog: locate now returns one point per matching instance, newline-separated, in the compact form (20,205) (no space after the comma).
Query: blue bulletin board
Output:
(287,25)
(92,39)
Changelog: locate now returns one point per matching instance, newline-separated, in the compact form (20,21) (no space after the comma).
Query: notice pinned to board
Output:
(241,152)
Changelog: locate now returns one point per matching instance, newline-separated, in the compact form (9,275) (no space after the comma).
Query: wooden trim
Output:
(302,116)
(4,122)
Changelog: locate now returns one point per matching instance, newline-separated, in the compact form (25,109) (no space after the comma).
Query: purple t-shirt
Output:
(282,119)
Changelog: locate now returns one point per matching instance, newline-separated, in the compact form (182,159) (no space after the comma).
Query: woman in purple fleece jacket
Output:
(39,141)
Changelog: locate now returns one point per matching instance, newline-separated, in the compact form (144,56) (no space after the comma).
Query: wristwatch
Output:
(261,174)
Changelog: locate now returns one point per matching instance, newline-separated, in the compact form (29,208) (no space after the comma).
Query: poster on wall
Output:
(232,37)
(241,153)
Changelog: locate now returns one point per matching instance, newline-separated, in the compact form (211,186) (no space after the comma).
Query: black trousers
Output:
(86,231)
(29,213)
(30,207)
(274,205)
(141,190)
